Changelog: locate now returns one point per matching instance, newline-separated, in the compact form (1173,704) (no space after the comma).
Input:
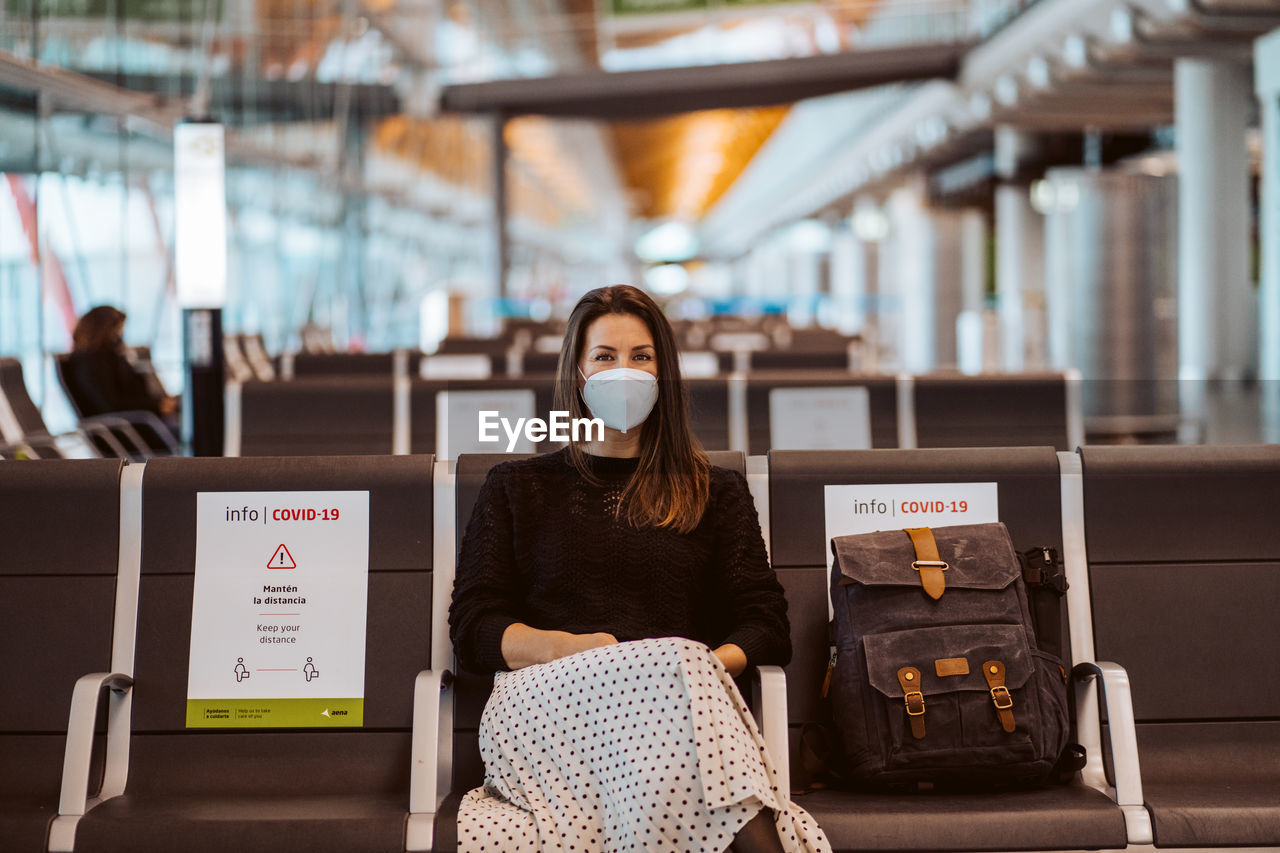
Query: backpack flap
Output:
(977,556)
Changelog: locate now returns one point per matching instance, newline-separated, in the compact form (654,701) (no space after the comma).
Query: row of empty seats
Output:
(1174,575)
(135,435)
(751,413)
(499,359)
(535,350)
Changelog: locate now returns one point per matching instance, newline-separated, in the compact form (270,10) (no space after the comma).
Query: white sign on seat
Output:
(457,366)
(694,365)
(733,341)
(278,609)
(836,418)
(458,420)
(853,509)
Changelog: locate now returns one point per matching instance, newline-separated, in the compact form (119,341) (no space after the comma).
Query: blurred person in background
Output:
(100,376)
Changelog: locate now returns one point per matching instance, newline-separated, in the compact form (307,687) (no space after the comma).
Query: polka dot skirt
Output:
(644,746)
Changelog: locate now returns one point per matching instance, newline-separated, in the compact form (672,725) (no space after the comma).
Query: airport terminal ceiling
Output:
(365,137)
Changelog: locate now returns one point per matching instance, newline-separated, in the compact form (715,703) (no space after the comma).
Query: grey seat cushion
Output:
(303,823)
(1220,814)
(1051,818)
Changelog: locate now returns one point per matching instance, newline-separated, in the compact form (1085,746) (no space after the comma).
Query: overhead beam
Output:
(642,94)
(271,100)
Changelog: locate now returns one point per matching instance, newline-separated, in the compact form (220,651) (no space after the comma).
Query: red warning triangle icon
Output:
(281,559)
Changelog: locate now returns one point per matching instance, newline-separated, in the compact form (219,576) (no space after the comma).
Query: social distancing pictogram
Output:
(282,559)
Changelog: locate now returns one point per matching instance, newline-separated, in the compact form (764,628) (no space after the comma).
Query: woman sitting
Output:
(101,379)
(616,587)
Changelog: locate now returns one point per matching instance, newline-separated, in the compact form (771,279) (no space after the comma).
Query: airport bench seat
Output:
(1046,819)
(243,788)
(56,593)
(303,791)
(1212,784)
(1185,573)
(1074,816)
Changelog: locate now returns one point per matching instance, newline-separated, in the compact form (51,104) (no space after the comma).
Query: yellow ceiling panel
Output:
(680,166)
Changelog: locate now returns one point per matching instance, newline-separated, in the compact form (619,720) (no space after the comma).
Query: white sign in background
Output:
(837,418)
(897,506)
(276,632)
(458,420)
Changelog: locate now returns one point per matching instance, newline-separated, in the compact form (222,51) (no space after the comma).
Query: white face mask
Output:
(621,397)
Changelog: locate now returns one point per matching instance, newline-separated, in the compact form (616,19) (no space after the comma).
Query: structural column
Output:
(501,240)
(971,339)
(912,267)
(849,281)
(1267,76)
(1215,313)
(1019,254)
(1214,299)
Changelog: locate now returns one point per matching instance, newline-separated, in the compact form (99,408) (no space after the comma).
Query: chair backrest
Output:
(881,390)
(1184,571)
(74,397)
(14,388)
(792,359)
(166,756)
(59,551)
(318,415)
(709,411)
(1029,496)
(494,348)
(343,364)
(1015,410)
(471,692)
(534,363)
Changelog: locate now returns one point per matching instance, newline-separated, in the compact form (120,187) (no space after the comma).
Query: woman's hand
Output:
(733,658)
(565,644)
(525,646)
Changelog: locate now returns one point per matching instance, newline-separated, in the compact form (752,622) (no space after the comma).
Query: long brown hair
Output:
(97,328)
(672,480)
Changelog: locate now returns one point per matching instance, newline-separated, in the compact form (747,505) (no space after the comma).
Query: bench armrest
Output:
(126,423)
(1123,736)
(75,798)
(101,428)
(769,690)
(75,765)
(431,772)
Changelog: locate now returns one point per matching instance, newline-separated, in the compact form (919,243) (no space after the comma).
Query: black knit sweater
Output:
(543,547)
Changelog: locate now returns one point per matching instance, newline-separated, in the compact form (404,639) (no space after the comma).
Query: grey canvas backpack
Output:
(937,676)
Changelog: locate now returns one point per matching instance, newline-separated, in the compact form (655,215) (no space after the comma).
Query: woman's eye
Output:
(603,356)
(643,356)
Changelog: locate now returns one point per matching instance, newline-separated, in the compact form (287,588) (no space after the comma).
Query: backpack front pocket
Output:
(952,694)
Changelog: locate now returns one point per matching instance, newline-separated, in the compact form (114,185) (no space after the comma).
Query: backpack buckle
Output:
(928,562)
(994,672)
(913,698)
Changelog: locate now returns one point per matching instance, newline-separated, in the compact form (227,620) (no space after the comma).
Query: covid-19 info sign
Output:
(278,611)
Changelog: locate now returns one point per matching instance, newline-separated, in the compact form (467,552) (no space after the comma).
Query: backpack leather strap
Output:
(994,671)
(913,698)
(927,562)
